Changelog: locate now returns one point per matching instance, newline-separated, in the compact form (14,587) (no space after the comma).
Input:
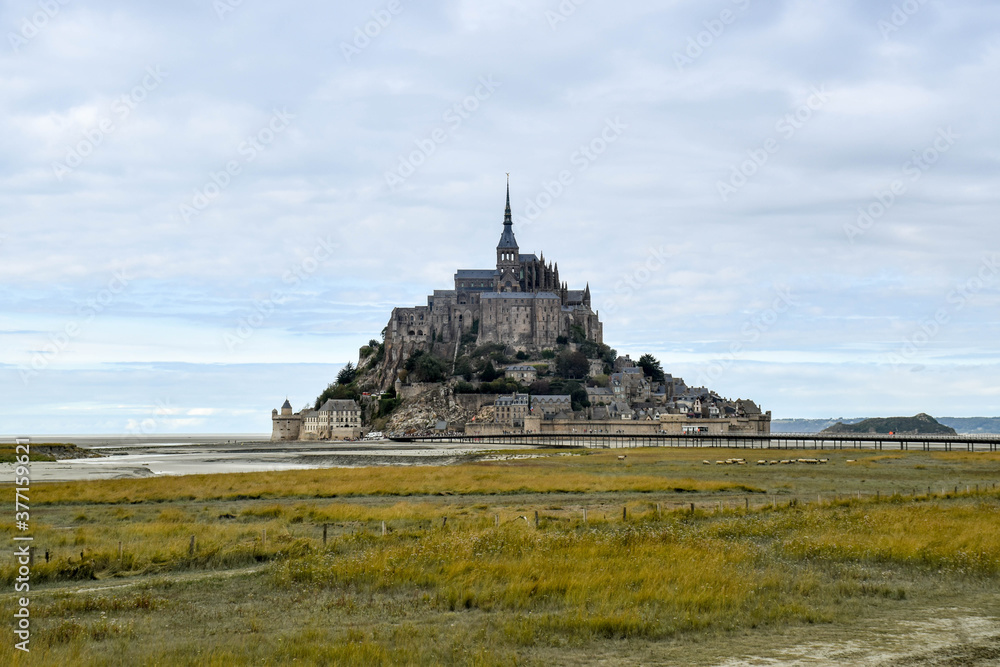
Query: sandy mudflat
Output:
(132,457)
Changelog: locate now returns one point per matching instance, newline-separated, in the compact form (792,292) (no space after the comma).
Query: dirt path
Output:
(131,582)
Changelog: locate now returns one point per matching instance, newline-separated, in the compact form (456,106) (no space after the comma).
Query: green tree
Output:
(337,391)
(424,367)
(540,387)
(347,374)
(600,380)
(463,368)
(489,373)
(608,355)
(572,364)
(651,368)
(578,395)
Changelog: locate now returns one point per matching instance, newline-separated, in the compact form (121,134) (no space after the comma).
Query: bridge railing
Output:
(975,442)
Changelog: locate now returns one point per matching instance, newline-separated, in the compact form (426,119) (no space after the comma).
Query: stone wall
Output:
(409,391)
(475,402)
(743,426)
(336,433)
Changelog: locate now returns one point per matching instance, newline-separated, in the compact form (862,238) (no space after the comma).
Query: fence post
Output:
(119,550)
(191,547)
(585,515)
(496,520)
(536,518)
(383,529)
(324,534)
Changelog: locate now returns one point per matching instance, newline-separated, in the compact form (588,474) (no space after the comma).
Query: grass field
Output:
(463,573)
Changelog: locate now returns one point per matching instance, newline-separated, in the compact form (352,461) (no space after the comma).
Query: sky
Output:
(209,205)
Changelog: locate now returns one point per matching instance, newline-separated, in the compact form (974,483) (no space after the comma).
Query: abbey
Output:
(521,303)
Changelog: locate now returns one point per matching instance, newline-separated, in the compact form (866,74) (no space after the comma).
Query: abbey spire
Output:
(509,270)
(507,239)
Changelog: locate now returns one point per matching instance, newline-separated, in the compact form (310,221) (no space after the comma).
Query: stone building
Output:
(600,395)
(523,374)
(335,420)
(550,405)
(522,303)
(511,410)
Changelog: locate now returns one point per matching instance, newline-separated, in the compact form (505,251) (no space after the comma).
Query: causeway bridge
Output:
(927,443)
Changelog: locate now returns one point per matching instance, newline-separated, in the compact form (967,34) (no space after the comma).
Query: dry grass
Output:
(557,475)
(470,592)
(467,591)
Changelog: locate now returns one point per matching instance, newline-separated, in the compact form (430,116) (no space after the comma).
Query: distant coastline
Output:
(963,425)
(119,439)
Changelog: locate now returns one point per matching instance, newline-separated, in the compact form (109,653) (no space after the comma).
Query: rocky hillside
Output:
(422,412)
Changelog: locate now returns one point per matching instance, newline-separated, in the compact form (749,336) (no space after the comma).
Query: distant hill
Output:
(963,425)
(922,424)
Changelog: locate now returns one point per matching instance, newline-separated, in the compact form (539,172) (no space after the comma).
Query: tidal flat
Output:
(546,557)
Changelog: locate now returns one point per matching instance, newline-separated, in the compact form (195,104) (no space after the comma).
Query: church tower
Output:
(508,257)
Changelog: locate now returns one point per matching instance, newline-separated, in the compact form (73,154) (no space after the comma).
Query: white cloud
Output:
(656,186)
